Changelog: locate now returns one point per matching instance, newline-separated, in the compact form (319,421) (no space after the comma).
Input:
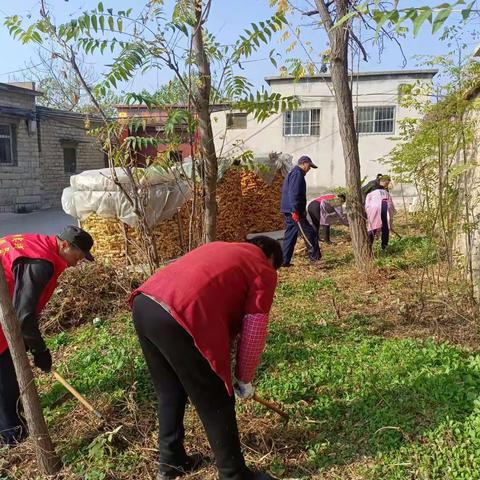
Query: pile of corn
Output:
(246,204)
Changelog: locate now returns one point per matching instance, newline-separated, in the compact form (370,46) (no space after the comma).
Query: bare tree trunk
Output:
(343,96)
(48,461)
(202,103)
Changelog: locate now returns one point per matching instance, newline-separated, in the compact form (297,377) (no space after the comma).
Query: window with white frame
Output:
(375,119)
(7,144)
(301,123)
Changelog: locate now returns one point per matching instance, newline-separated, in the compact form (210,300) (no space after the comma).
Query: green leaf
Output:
(120,25)
(345,19)
(102,23)
(111,23)
(86,21)
(440,19)
(380,18)
(419,21)
(94,21)
(100,7)
(467,11)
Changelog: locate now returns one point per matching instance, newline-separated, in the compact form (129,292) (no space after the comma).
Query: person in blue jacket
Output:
(294,208)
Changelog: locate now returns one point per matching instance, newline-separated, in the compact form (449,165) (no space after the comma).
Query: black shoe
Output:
(287,265)
(193,462)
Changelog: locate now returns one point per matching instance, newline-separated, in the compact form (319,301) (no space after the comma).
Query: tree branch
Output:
(311,13)
(360,46)
(322,7)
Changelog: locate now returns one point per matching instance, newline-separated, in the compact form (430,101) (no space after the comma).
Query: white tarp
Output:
(94,191)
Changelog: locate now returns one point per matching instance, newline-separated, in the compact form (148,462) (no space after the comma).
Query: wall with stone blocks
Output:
(54,131)
(20,183)
(17,100)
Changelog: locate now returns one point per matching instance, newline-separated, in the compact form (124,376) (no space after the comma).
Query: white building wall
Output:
(326,149)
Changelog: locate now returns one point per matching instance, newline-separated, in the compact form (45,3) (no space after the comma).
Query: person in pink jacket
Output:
(380,210)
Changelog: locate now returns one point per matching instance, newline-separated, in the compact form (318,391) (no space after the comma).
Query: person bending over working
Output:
(325,211)
(187,317)
(32,264)
(381,182)
(380,210)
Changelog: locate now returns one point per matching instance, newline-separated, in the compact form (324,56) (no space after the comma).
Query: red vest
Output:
(209,290)
(41,247)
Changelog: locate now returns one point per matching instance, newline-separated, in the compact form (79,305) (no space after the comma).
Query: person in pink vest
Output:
(325,211)
(188,316)
(380,210)
(32,264)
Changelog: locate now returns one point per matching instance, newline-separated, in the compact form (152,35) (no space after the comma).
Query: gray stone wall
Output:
(20,184)
(17,100)
(56,131)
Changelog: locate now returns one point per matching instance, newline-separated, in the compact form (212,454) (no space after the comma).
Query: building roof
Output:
(48,112)
(8,87)
(169,106)
(386,74)
(17,112)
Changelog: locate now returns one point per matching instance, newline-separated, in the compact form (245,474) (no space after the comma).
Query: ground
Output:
(379,373)
(47,222)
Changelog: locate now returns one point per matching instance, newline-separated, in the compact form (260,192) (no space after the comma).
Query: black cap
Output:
(79,238)
(305,159)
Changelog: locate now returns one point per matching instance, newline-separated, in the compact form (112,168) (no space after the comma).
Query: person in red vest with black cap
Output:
(187,317)
(32,264)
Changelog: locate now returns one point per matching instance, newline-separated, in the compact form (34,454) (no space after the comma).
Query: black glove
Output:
(43,360)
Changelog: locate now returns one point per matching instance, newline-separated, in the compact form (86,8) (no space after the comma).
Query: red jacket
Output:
(209,290)
(42,247)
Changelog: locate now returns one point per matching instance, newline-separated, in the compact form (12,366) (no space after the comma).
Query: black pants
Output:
(292,229)
(385,227)
(179,370)
(323,231)
(314,212)
(11,424)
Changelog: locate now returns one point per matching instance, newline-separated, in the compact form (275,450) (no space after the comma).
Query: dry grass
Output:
(88,291)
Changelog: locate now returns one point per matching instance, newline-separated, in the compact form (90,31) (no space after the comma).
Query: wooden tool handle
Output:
(77,395)
(270,406)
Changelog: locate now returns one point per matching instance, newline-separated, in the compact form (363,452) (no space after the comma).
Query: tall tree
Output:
(202,102)
(339,39)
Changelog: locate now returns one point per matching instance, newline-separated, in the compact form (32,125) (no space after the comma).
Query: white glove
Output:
(244,390)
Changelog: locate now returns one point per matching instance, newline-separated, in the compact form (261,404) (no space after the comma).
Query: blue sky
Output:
(227,20)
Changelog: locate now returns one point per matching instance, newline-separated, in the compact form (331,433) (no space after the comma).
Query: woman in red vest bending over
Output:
(187,317)
(32,264)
